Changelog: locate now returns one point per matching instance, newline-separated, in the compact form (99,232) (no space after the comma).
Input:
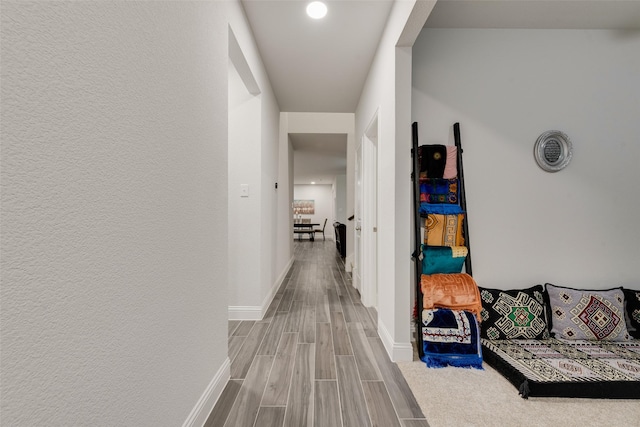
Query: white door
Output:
(357,245)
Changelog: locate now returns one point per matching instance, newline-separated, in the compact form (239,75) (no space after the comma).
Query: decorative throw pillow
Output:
(587,314)
(514,314)
(443,259)
(632,311)
(444,230)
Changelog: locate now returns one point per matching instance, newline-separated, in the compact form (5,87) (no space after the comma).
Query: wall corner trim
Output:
(203,408)
(397,351)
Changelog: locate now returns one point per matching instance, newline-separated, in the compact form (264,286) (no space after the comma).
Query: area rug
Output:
(454,397)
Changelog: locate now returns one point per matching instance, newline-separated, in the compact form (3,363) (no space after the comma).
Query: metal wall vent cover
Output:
(553,151)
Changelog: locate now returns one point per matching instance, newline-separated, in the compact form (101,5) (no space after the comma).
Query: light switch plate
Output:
(244,190)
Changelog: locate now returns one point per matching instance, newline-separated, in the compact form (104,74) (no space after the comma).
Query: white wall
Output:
(388,91)
(340,199)
(263,218)
(576,227)
(323,196)
(114,212)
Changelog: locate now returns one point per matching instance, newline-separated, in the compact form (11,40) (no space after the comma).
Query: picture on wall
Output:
(304,207)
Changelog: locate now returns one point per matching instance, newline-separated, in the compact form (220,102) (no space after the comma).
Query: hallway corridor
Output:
(315,359)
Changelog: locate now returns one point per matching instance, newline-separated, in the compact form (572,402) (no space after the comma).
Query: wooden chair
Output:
(321,230)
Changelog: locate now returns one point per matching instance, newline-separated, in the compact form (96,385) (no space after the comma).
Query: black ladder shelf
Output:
(417,253)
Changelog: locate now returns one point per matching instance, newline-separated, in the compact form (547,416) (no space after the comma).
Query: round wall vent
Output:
(553,151)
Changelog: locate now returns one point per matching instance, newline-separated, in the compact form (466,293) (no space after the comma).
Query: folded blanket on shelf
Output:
(454,291)
(441,209)
(444,230)
(433,159)
(450,338)
(437,190)
(443,259)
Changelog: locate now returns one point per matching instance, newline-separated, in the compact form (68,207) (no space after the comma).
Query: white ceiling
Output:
(321,66)
(317,65)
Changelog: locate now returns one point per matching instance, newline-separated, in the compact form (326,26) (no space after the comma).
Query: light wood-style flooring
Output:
(315,359)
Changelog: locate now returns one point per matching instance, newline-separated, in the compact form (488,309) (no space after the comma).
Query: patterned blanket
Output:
(450,338)
(579,368)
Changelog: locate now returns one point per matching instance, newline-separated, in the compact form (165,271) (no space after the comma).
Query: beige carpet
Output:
(455,397)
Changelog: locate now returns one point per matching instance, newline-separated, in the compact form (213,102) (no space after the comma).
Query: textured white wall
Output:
(114,207)
(264,222)
(244,169)
(576,227)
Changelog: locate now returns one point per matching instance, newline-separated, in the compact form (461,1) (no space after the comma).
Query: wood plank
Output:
(325,368)
(294,320)
(334,301)
(271,339)
(233,324)
(348,309)
(326,408)
(224,404)
(300,403)
(247,403)
(367,366)
(277,389)
(270,416)
(322,309)
(287,298)
(273,308)
(244,328)
(352,401)
(370,327)
(403,399)
(235,344)
(240,365)
(308,328)
(379,403)
(341,343)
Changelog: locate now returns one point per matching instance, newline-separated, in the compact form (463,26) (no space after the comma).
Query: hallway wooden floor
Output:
(315,359)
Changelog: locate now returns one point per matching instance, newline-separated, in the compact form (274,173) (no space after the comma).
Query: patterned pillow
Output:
(514,314)
(587,314)
(632,311)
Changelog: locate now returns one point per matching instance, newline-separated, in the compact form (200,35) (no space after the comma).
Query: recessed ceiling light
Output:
(317,10)
(313,182)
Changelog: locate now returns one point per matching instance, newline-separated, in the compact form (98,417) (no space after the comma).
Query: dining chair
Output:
(321,230)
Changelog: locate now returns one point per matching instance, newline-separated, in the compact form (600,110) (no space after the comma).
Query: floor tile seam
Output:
(258,345)
(295,356)
(312,374)
(359,384)
(234,400)
(392,401)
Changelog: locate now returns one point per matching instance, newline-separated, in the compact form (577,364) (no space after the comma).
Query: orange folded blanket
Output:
(454,291)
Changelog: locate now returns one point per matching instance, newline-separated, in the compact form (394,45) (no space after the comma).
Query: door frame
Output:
(368,239)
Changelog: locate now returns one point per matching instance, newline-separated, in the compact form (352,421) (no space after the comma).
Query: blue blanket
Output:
(451,338)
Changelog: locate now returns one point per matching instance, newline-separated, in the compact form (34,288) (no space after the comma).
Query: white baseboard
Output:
(207,401)
(257,312)
(245,312)
(397,351)
(348,263)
